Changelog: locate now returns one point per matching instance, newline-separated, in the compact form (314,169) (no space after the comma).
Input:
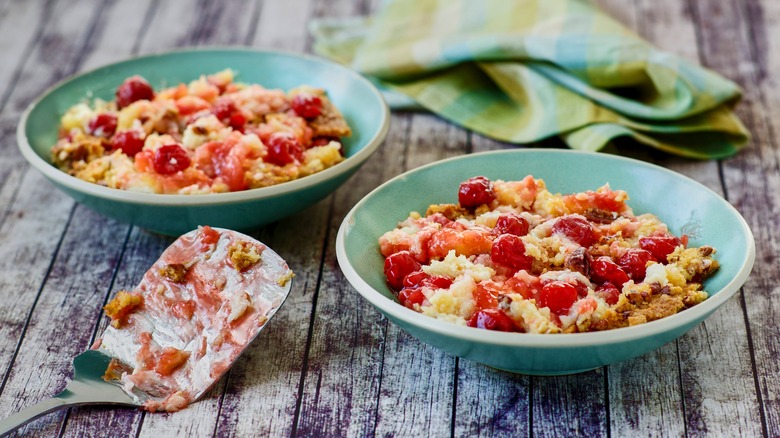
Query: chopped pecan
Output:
(600,216)
(504,301)
(579,261)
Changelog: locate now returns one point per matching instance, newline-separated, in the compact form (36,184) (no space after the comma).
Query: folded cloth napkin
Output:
(523,70)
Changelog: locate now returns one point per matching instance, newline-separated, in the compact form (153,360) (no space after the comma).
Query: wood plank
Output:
(22,22)
(762,291)
(228,22)
(668,24)
(12,165)
(657,408)
(170,27)
(70,23)
(193,419)
(140,251)
(32,230)
(263,387)
(417,381)
(200,25)
(117,33)
(645,397)
(262,391)
(38,219)
(732,41)
(88,315)
(64,315)
(569,405)
(340,382)
(282,25)
(491,402)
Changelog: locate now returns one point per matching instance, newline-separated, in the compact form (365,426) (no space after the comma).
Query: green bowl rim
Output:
(213,199)
(543,341)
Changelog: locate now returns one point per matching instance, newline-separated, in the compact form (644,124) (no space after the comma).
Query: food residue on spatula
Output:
(191,316)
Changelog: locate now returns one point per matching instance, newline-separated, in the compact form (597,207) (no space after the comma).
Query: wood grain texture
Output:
(329,364)
(263,388)
(714,358)
(282,25)
(490,402)
(209,23)
(262,393)
(752,186)
(418,381)
(38,217)
(66,306)
(22,21)
(572,405)
(140,251)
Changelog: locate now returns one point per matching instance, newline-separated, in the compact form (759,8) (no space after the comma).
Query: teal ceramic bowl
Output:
(685,205)
(358,100)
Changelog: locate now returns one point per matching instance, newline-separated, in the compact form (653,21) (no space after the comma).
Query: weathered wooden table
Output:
(329,364)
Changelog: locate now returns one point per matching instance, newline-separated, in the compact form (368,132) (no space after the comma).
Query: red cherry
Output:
(420,278)
(439,282)
(634,262)
(307,106)
(129,142)
(398,266)
(509,250)
(609,293)
(133,89)
(223,109)
(582,288)
(415,279)
(170,159)
(409,296)
(660,246)
(576,229)
(476,191)
(237,121)
(558,296)
(603,269)
(228,113)
(283,149)
(102,125)
(511,223)
(492,319)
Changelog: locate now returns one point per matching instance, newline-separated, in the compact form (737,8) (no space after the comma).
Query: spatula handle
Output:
(30,413)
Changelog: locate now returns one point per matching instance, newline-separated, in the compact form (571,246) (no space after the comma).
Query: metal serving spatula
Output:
(171,338)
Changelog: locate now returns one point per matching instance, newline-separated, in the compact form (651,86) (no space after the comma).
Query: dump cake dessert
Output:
(209,136)
(193,313)
(512,256)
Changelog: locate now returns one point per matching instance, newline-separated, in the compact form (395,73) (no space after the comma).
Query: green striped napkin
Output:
(523,70)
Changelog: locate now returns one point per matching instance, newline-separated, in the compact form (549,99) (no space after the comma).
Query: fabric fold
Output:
(524,70)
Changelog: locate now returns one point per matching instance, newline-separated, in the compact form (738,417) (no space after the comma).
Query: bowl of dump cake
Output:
(235,138)
(545,261)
